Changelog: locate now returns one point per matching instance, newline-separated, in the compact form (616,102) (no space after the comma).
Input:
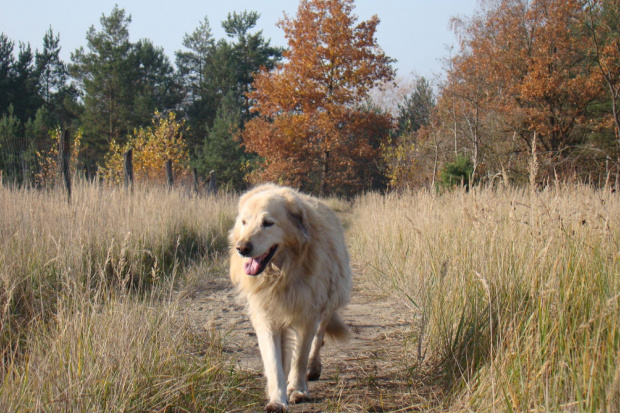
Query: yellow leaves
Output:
(48,159)
(152,148)
(399,157)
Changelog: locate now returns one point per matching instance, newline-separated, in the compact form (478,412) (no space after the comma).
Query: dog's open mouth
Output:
(256,265)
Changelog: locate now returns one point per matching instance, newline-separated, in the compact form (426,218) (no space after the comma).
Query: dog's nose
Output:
(244,249)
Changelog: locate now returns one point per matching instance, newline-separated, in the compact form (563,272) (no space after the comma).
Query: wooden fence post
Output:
(195,183)
(212,184)
(128,168)
(169,175)
(64,155)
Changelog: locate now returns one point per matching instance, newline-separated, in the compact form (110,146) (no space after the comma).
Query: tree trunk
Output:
(323,189)
(618,174)
(456,148)
(436,159)
(476,149)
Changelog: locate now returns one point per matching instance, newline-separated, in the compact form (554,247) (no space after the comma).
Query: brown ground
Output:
(370,373)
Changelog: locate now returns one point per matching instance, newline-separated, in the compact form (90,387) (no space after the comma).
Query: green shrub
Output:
(456,173)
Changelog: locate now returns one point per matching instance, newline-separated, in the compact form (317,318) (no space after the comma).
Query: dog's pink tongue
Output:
(251,266)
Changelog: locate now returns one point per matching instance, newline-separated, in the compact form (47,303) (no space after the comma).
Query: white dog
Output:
(289,260)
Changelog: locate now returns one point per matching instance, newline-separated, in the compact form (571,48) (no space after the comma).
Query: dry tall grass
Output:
(88,319)
(516,294)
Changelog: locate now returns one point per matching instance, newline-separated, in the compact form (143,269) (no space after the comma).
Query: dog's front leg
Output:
(270,344)
(297,383)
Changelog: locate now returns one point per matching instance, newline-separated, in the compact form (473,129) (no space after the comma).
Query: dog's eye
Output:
(267,223)
(243,222)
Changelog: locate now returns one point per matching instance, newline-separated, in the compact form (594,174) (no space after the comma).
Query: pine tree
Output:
(157,85)
(12,145)
(217,77)
(7,75)
(251,52)
(194,65)
(105,76)
(221,150)
(58,96)
(24,92)
(416,109)
(122,83)
(52,71)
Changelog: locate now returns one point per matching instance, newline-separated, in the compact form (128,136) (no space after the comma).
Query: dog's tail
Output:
(336,329)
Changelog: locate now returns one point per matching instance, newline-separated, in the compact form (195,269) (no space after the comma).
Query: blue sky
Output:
(415,32)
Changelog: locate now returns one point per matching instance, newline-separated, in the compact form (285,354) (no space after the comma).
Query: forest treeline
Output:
(114,90)
(531,93)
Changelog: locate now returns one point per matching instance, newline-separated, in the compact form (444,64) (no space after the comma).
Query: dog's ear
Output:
(297,214)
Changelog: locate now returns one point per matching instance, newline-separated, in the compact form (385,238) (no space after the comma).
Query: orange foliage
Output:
(311,130)
(152,147)
(532,66)
(602,23)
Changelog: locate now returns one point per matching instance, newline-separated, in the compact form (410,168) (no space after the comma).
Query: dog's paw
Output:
(314,370)
(297,396)
(275,407)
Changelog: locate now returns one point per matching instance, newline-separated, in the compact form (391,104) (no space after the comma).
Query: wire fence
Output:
(25,164)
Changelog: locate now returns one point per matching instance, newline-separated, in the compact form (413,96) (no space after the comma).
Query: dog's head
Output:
(272,222)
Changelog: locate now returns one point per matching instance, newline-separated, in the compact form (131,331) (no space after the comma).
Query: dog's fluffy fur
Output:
(289,260)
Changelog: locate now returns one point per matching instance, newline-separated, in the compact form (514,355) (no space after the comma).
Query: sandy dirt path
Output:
(369,373)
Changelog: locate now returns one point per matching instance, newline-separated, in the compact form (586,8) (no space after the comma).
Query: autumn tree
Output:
(525,61)
(601,25)
(557,87)
(311,129)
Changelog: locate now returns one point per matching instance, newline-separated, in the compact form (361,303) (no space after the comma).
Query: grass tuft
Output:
(514,297)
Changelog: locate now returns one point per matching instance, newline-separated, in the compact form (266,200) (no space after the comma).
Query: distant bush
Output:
(456,173)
